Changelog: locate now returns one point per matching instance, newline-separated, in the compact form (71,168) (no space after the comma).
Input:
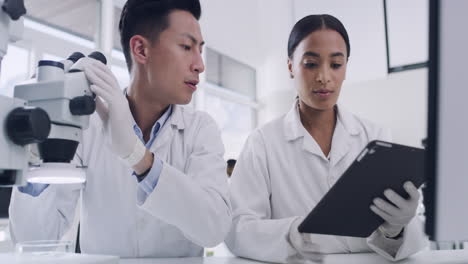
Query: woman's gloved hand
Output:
(398,214)
(305,249)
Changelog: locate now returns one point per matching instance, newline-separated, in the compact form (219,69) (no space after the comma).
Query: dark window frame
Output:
(399,68)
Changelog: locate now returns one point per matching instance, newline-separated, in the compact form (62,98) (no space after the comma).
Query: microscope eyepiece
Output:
(75,56)
(15,9)
(98,56)
(51,63)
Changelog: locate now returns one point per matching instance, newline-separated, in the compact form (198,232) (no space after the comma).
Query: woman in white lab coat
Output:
(289,164)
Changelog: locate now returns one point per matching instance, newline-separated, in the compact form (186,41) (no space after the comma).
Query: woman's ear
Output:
(290,65)
(139,49)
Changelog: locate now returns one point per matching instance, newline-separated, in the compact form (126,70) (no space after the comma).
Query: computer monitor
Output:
(446,194)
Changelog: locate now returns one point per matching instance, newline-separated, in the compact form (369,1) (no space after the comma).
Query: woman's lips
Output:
(323,93)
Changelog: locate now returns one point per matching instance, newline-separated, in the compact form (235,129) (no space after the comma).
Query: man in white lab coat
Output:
(289,164)
(156,183)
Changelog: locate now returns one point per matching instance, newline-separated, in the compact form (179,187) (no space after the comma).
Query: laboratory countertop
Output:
(425,257)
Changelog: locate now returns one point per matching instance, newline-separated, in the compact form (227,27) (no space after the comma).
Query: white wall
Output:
(232,28)
(408,31)
(275,92)
(398,102)
(255,34)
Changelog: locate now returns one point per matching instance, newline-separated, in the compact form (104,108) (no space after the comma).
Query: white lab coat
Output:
(282,174)
(188,210)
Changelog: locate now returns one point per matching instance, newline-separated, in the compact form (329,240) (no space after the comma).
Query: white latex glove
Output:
(115,112)
(399,215)
(306,250)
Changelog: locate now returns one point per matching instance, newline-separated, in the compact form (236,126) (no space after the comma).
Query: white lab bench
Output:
(62,258)
(425,257)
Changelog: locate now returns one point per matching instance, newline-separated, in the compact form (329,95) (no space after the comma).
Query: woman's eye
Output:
(310,65)
(336,65)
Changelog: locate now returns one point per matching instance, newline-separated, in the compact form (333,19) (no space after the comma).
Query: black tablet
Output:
(344,210)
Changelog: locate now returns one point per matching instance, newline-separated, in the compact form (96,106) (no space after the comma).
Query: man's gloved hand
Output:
(114,111)
(399,215)
(306,250)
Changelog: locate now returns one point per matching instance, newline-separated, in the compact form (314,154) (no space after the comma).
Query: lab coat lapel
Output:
(293,129)
(341,143)
(310,145)
(163,141)
(345,129)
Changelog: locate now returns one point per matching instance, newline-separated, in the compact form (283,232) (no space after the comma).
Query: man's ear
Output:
(139,49)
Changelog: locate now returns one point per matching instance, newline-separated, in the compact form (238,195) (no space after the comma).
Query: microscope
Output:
(22,125)
(47,113)
(50,112)
(65,95)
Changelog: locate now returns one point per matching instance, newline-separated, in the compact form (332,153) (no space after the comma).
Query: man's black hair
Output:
(149,18)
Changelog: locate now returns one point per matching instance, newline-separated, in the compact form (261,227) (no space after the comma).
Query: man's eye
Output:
(186,47)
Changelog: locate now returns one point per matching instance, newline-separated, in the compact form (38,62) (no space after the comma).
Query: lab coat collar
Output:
(346,126)
(348,120)
(162,143)
(177,118)
(293,128)
(341,140)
